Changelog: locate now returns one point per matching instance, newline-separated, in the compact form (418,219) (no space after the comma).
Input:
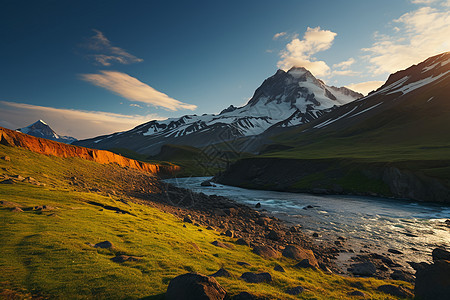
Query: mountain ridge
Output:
(279,98)
(41,129)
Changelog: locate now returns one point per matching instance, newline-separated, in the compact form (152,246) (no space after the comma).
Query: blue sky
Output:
(95,67)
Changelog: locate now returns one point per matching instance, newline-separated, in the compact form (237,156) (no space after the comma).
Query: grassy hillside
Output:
(47,251)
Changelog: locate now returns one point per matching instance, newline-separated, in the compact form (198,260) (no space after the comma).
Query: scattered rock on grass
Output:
(17,210)
(222,245)
(356,293)
(243,263)
(6,158)
(279,268)
(104,245)
(305,264)
(221,273)
(256,278)
(124,258)
(295,290)
(246,296)
(187,219)
(192,286)
(298,253)
(397,291)
(266,252)
(242,242)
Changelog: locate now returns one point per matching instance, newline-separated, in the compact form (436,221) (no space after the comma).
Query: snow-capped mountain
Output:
(421,89)
(42,130)
(285,99)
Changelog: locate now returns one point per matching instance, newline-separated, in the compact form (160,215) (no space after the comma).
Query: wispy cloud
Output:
(420,34)
(344,65)
(77,123)
(422,1)
(300,53)
(365,87)
(106,53)
(134,90)
(278,35)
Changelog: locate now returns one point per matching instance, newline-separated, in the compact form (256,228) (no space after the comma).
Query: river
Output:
(376,224)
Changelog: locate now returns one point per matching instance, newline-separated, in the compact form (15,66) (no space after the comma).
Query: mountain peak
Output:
(298,72)
(43,130)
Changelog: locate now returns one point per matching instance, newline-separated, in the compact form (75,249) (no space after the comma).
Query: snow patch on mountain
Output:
(42,130)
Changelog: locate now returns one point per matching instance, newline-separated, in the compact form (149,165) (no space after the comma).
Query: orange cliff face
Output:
(17,139)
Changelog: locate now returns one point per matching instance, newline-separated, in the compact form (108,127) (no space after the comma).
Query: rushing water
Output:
(377,223)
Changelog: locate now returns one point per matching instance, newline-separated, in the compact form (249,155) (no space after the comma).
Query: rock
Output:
(246,296)
(243,263)
(206,183)
(6,158)
(418,266)
(279,268)
(229,233)
(17,210)
(124,258)
(104,245)
(397,291)
(363,269)
(222,245)
(295,290)
(274,235)
(263,221)
(193,286)
(356,293)
(440,254)
(266,252)
(394,251)
(8,181)
(433,281)
(242,242)
(315,234)
(305,264)
(298,253)
(18,177)
(401,275)
(187,219)
(258,205)
(209,228)
(256,278)
(221,273)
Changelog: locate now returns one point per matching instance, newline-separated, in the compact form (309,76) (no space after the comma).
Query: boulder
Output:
(258,205)
(243,263)
(356,293)
(397,291)
(104,245)
(222,245)
(395,251)
(298,253)
(246,296)
(294,290)
(187,219)
(305,263)
(433,281)
(256,278)
(274,235)
(266,252)
(192,286)
(221,273)
(229,233)
(124,258)
(440,254)
(279,268)
(363,269)
(206,183)
(242,242)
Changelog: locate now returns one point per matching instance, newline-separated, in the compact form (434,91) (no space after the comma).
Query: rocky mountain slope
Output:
(48,147)
(283,100)
(42,130)
(393,142)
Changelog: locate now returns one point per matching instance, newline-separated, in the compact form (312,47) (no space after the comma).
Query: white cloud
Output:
(420,34)
(134,90)
(345,64)
(365,87)
(278,35)
(135,105)
(422,1)
(299,53)
(77,123)
(107,53)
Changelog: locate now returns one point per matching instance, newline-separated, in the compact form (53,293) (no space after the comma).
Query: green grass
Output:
(45,253)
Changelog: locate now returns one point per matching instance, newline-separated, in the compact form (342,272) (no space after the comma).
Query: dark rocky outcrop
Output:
(363,269)
(193,286)
(433,281)
(397,291)
(221,273)
(295,290)
(104,245)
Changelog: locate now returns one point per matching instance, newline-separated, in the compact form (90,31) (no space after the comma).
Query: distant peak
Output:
(41,121)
